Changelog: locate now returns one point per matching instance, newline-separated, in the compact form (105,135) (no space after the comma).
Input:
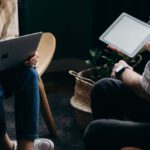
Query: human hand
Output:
(33,60)
(115,49)
(147,46)
(121,62)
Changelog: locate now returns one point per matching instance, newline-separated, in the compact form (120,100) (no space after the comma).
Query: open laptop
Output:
(14,51)
(128,34)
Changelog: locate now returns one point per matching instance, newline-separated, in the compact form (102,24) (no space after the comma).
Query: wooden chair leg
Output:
(46,111)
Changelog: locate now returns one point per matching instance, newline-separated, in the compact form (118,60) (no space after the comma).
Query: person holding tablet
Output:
(23,82)
(121,109)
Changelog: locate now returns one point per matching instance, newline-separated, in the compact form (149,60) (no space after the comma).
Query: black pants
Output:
(121,118)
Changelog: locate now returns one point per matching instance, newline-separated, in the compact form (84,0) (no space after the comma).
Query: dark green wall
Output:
(69,20)
(76,24)
(106,11)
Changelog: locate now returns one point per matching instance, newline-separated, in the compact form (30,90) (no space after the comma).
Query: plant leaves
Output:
(89,62)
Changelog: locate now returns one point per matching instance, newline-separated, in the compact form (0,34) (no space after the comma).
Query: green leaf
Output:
(92,52)
(98,55)
(89,62)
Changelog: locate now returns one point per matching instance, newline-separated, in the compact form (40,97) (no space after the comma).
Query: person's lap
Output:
(112,99)
(112,134)
(121,117)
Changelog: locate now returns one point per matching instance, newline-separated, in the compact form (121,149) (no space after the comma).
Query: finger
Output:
(122,61)
(115,65)
(113,74)
(31,62)
(36,65)
(34,57)
(147,46)
(37,54)
(113,48)
(34,61)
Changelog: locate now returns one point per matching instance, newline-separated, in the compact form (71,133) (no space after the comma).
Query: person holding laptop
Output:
(121,109)
(23,82)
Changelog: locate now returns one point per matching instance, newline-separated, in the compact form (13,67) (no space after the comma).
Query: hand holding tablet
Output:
(127,34)
(147,46)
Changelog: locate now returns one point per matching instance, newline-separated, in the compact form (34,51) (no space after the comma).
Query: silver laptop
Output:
(128,34)
(14,51)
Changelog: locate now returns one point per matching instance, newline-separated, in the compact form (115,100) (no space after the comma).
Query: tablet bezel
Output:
(102,37)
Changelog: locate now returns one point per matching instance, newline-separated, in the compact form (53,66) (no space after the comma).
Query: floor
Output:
(59,83)
(60,87)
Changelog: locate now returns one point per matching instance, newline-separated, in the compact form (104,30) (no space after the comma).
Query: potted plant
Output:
(101,63)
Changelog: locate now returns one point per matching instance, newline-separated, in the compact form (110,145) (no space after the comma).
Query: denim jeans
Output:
(23,82)
(121,118)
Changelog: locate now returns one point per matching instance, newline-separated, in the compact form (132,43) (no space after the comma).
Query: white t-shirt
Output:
(145,79)
(9,21)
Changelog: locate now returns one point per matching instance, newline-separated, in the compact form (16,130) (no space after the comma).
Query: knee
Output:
(88,136)
(89,132)
(100,89)
(96,127)
(31,74)
(103,84)
(94,133)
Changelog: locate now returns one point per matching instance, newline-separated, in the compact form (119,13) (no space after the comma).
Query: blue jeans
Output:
(121,118)
(23,82)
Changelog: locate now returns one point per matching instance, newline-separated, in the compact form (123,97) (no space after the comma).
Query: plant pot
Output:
(81,101)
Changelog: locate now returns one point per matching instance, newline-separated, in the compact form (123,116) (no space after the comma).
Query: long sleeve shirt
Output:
(9,20)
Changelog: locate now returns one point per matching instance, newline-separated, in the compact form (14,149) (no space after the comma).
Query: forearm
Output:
(132,79)
(7,38)
(11,26)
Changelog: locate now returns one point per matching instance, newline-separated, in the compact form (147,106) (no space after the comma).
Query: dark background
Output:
(76,24)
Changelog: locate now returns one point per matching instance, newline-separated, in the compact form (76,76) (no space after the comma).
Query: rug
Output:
(70,136)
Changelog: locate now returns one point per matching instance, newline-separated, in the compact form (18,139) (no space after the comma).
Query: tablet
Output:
(128,34)
(14,51)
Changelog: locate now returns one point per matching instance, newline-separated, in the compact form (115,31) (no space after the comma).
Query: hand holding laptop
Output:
(14,52)
(33,60)
(30,61)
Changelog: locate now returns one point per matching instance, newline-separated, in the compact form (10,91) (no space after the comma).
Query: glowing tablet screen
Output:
(128,34)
